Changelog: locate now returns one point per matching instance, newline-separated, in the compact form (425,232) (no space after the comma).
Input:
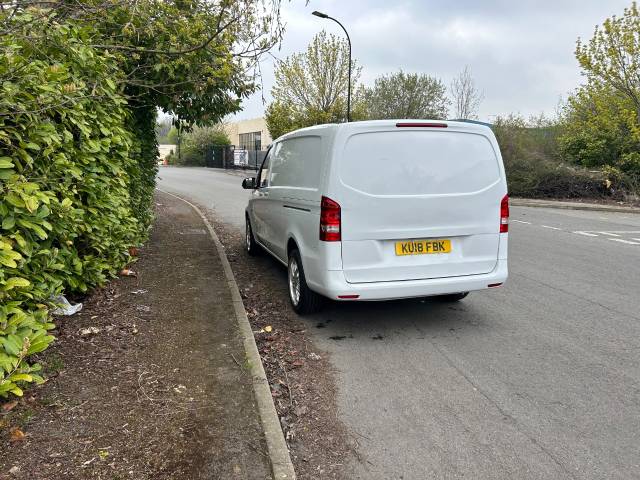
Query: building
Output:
(249,134)
(165,149)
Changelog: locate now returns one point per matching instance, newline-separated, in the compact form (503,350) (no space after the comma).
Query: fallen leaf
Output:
(7,407)
(268,328)
(15,434)
(127,272)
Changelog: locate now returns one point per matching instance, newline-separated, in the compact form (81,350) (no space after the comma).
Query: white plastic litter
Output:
(64,307)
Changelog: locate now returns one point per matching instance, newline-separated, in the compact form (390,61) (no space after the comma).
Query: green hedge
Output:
(74,191)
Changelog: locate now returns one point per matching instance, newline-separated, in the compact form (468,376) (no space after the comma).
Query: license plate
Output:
(423,247)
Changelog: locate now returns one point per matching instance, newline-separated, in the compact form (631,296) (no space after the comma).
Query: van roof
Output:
(367,124)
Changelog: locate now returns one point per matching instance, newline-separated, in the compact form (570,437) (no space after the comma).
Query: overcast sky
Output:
(520,52)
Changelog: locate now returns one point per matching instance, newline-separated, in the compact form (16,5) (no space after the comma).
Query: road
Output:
(537,380)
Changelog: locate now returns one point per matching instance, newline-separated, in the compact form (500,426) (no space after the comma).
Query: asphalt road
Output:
(537,380)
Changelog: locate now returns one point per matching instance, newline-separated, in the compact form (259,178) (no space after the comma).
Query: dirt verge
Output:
(300,375)
(147,382)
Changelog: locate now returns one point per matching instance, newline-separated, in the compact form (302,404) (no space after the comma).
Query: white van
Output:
(381,210)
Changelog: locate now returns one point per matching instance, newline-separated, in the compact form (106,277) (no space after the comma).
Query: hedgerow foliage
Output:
(70,197)
(80,85)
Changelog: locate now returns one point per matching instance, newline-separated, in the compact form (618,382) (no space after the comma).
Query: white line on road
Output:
(610,234)
(520,221)
(586,234)
(552,228)
(624,241)
(638,239)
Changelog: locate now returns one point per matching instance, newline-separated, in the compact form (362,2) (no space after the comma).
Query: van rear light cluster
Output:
(330,220)
(504,214)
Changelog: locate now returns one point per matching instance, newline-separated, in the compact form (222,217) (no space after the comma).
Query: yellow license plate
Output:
(423,247)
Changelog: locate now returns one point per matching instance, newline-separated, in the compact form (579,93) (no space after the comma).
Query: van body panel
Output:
(334,285)
(376,261)
(393,184)
(399,184)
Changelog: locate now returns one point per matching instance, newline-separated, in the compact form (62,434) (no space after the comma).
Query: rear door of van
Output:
(418,201)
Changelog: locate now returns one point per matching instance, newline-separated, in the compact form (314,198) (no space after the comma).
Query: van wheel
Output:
(252,247)
(453,297)
(303,299)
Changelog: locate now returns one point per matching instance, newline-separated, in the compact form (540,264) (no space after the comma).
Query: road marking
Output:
(520,221)
(552,228)
(624,241)
(638,239)
(586,234)
(610,234)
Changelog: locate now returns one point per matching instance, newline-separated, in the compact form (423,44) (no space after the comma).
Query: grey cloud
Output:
(521,52)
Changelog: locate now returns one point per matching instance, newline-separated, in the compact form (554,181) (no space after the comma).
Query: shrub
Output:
(73,196)
(196,142)
(535,168)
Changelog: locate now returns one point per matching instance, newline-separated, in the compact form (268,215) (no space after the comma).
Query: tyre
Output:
(303,299)
(453,297)
(252,247)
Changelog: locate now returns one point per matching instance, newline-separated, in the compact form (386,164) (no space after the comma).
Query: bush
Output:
(73,193)
(535,167)
(197,141)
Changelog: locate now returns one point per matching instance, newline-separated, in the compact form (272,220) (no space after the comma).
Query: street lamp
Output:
(324,15)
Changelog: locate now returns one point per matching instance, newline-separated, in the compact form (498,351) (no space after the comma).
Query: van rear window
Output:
(418,163)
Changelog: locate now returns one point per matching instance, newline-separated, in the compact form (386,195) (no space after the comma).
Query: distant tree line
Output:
(311,88)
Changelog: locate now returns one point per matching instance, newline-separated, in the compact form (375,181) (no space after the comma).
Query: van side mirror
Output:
(249,183)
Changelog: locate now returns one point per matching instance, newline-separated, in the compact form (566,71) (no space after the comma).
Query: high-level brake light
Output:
(421,124)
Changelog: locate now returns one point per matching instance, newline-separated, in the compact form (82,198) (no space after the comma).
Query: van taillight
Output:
(329,220)
(504,214)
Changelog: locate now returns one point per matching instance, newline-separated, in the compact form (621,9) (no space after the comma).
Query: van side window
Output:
(263,176)
(296,162)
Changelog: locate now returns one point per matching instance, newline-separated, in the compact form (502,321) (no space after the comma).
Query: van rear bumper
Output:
(336,286)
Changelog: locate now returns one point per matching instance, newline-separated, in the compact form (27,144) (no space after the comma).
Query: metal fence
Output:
(230,157)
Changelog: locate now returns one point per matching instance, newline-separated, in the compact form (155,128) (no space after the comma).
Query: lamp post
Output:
(324,15)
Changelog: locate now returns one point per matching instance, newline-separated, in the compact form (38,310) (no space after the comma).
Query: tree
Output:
(194,59)
(612,56)
(406,95)
(172,136)
(311,87)
(162,130)
(602,117)
(196,141)
(466,97)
